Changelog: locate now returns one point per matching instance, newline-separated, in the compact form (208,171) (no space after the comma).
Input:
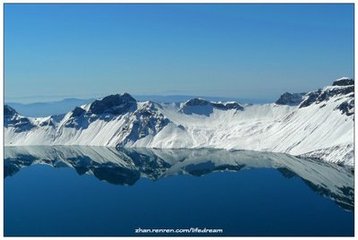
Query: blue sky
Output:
(231,50)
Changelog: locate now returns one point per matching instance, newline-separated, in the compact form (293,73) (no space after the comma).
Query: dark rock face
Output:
(9,111)
(77,112)
(291,99)
(197,102)
(343,82)
(21,124)
(105,109)
(12,119)
(342,87)
(204,107)
(228,106)
(334,92)
(146,121)
(197,106)
(311,98)
(77,119)
(347,108)
(114,104)
(80,122)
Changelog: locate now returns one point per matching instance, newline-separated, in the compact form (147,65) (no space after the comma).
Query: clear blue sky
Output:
(240,50)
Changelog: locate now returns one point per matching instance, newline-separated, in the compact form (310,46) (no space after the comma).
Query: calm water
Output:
(105,192)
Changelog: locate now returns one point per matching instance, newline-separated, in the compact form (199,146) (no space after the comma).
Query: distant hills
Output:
(43,109)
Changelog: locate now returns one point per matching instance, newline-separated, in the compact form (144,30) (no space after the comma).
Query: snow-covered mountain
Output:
(318,124)
(127,166)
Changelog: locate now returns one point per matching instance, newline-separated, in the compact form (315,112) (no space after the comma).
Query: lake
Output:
(98,191)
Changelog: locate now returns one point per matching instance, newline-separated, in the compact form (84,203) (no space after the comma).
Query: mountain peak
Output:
(9,111)
(344,81)
(343,87)
(114,104)
(290,99)
(197,102)
(204,107)
(13,119)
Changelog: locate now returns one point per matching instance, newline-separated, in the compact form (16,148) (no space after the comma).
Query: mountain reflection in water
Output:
(127,166)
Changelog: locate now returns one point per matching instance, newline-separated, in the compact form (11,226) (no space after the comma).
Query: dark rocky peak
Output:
(197,106)
(113,104)
(9,111)
(291,99)
(77,112)
(78,119)
(104,109)
(343,82)
(197,102)
(219,105)
(343,87)
(335,91)
(13,119)
(203,107)
(310,98)
(228,106)
(147,120)
(346,107)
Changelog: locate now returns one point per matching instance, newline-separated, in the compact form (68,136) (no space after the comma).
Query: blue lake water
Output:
(93,191)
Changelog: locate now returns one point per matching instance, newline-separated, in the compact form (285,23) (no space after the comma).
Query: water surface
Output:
(96,191)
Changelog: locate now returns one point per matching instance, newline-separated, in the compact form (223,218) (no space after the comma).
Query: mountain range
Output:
(47,108)
(318,124)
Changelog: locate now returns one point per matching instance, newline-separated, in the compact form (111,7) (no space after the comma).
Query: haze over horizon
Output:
(250,51)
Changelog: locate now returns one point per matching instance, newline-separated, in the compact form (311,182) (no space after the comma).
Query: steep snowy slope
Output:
(318,124)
